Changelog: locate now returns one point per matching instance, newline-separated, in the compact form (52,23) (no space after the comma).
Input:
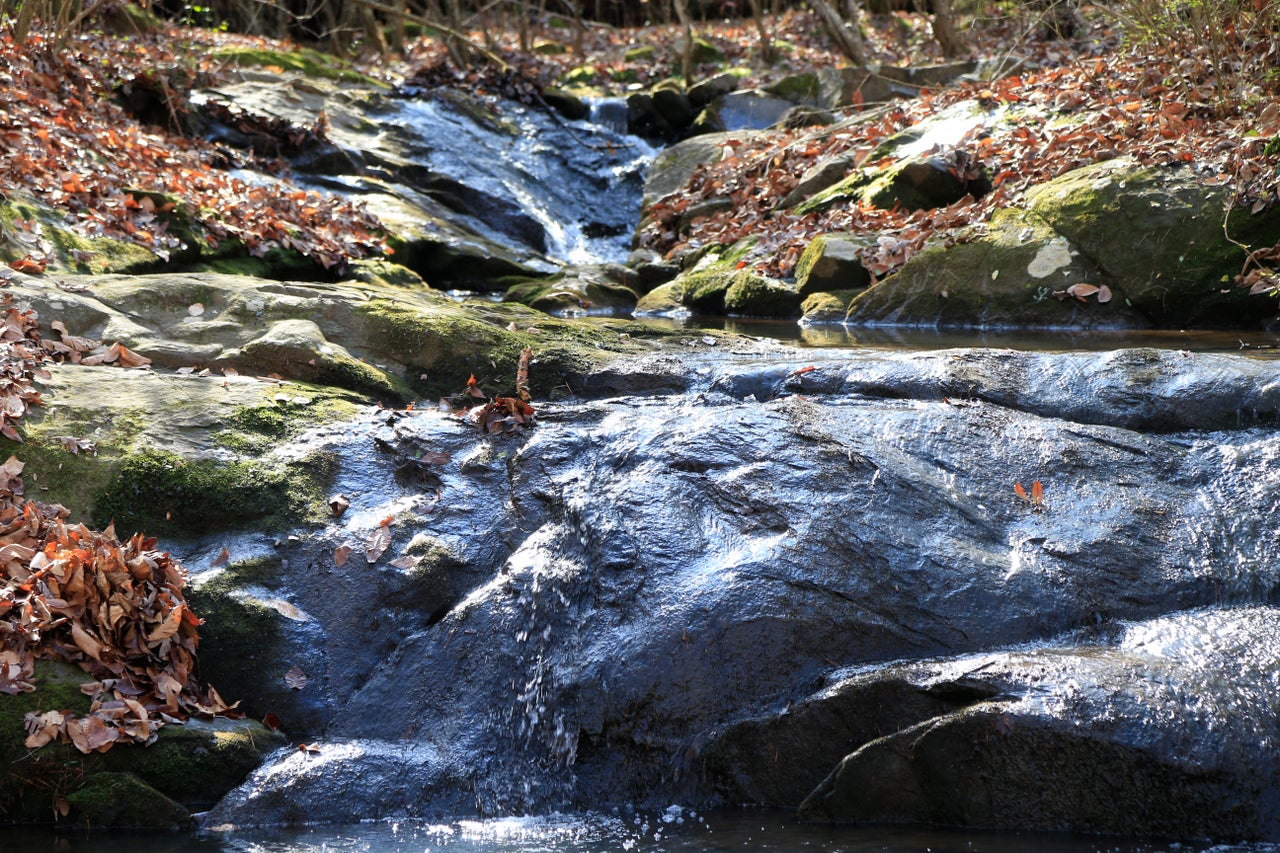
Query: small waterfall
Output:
(537,726)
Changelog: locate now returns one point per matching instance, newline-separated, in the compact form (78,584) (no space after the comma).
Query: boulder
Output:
(1061,738)
(1161,235)
(738,652)
(187,769)
(1018,275)
(832,262)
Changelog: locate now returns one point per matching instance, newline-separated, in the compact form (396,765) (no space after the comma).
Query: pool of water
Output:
(675,830)
(835,335)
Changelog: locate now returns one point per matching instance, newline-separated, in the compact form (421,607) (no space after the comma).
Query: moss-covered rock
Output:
(922,183)
(189,416)
(187,768)
(755,295)
(1007,278)
(166,494)
(665,299)
(28,229)
(579,290)
(240,643)
(832,262)
(1163,236)
(827,307)
(308,61)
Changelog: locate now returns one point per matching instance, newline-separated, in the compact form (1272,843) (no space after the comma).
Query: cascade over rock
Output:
(708,597)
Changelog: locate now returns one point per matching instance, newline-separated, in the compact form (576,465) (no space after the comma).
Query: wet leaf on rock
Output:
(340,555)
(295,678)
(377,543)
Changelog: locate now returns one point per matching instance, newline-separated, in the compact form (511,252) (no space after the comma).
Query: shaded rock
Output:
(651,269)
(707,121)
(1159,233)
(122,801)
(188,768)
(1006,279)
(674,107)
(1075,740)
(832,262)
(643,118)
(706,91)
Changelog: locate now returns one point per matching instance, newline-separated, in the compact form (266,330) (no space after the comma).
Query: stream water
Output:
(543,599)
(674,831)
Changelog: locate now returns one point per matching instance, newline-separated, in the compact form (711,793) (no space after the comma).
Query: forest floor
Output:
(69,142)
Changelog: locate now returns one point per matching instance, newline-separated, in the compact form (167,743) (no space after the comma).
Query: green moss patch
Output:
(163,494)
(310,62)
(26,229)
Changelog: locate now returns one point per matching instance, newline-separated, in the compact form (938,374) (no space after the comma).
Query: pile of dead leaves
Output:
(502,413)
(71,594)
(66,143)
(117,610)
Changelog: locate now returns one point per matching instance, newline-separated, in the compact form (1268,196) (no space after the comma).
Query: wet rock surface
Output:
(709,596)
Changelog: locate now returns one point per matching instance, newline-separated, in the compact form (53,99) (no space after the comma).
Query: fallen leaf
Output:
(340,555)
(223,556)
(377,543)
(195,309)
(295,678)
(338,504)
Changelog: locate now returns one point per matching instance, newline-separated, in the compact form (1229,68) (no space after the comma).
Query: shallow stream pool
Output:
(674,831)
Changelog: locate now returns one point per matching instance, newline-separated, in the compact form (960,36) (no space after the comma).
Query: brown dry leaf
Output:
(404,563)
(223,556)
(1080,291)
(377,543)
(340,555)
(85,642)
(295,678)
(129,358)
(1104,294)
(168,627)
(338,504)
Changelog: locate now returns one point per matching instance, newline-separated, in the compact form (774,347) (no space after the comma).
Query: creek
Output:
(702,563)
(747,573)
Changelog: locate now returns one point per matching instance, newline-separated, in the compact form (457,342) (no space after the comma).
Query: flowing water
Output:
(675,830)
(546,595)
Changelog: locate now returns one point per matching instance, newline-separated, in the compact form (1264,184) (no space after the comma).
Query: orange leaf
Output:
(1020,492)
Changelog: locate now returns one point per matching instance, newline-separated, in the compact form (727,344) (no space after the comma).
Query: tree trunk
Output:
(846,36)
(766,43)
(944,30)
(686,61)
